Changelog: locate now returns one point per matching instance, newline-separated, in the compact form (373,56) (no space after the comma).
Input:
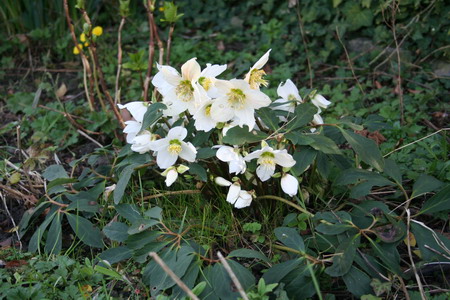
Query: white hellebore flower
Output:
(289,184)
(317,120)
(268,158)
(171,175)
(233,157)
(239,198)
(143,142)
(171,147)
(289,97)
(207,79)
(255,76)
(238,102)
(320,102)
(203,119)
(137,110)
(180,92)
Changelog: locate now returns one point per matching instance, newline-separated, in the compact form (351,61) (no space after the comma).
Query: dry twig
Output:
(233,277)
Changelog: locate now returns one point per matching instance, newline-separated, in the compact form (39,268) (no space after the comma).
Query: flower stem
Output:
(299,208)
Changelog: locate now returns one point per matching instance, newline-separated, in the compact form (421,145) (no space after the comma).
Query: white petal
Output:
(191,70)
(262,61)
(246,116)
(282,104)
(244,200)
(226,153)
(233,193)
(253,155)
(171,176)
(165,160)
(289,184)
(317,120)
(188,152)
(320,101)
(237,166)
(288,89)
(264,172)
(137,109)
(171,76)
(222,181)
(213,70)
(283,158)
(132,128)
(177,133)
(221,111)
(257,99)
(142,143)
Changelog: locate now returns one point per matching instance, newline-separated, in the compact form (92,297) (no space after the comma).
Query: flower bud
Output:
(182,168)
(222,181)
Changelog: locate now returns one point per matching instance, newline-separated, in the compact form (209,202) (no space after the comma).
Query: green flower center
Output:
(236,98)
(267,158)
(174,147)
(208,110)
(205,82)
(185,91)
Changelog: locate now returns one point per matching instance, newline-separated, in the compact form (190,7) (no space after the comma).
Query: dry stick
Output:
(232,276)
(432,52)
(119,60)
(42,70)
(89,138)
(413,266)
(151,49)
(349,61)
(186,192)
(99,94)
(172,275)
(169,42)
(399,78)
(84,60)
(305,44)
(101,76)
(12,220)
(63,113)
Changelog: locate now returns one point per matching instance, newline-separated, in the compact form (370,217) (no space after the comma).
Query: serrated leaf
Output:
(85,231)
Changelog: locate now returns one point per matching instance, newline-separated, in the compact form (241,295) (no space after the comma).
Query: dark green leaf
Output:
(324,144)
(279,271)
(392,170)
(85,231)
(153,114)
(141,225)
(129,212)
(116,231)
(123,182)
(204,153)
(248,253)
(344,256)
(357,282)
(290,238)
(426,236)
(53,243)
(303,114)
(36,238)
(437,203)
(333,223)
(303,158)
(240,135)
(269,117)
(366,148)
(54,171)
(114,255)
(154,213)
(425,184)
(197,169)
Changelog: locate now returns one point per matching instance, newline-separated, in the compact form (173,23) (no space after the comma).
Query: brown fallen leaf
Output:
(15,263)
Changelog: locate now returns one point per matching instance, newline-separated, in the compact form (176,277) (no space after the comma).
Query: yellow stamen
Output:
(174,147)
(208,110)
(267,158)
(205,82)
(256,79)
(236,98)
(185,91)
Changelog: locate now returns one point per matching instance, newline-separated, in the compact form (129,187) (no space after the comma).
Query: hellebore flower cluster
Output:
(198,104)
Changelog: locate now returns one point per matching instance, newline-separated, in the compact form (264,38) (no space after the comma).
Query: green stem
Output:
(287,202)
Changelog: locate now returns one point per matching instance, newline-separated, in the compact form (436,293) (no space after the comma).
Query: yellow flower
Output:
(98,31)
(75,49)
(82,37)
(86,44)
